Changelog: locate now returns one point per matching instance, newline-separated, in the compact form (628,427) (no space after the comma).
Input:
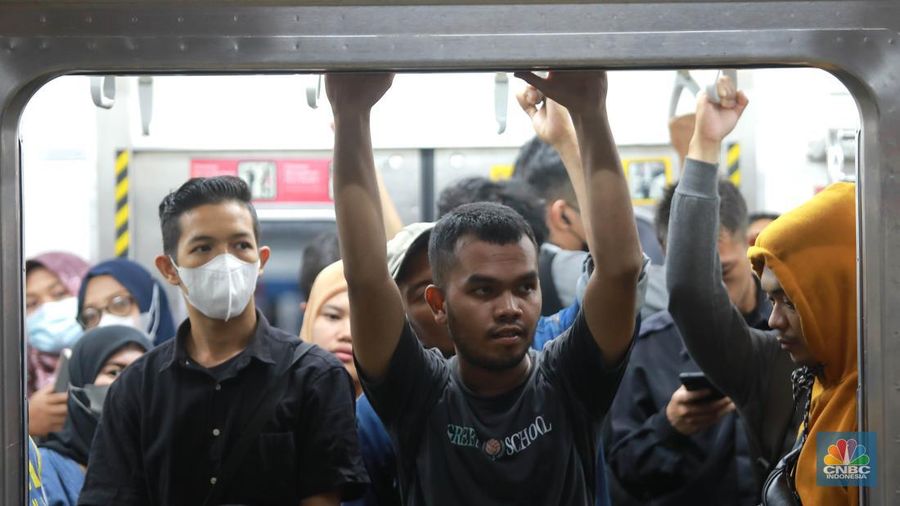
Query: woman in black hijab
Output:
(96,361)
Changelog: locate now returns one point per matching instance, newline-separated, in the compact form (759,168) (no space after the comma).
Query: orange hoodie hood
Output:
(812,252)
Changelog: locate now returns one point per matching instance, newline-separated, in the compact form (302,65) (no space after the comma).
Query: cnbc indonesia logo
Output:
(845,460)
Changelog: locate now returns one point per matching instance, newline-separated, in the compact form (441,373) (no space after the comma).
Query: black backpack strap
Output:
(262,413)
(551,303)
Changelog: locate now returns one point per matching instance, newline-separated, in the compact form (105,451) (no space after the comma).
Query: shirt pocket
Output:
(279,479)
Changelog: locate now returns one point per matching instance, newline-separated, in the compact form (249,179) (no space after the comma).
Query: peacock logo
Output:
(846,452)
(846,459)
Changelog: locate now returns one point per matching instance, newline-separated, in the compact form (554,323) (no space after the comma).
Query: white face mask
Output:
(220,288)
(128,321)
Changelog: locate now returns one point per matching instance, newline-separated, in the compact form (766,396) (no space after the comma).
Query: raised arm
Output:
(714,331)
(609,299)
(553,125)
(376,318)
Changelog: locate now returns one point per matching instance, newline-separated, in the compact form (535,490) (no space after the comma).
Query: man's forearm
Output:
(609,299)
(613,239)
(704,150)
(357,204)
(377,316)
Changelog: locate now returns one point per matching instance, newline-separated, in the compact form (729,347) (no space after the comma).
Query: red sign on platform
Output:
(285,181)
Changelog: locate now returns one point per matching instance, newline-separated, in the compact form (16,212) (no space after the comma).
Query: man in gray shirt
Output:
(747,364)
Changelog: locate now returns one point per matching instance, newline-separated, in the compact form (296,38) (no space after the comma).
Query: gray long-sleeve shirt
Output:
(747,364)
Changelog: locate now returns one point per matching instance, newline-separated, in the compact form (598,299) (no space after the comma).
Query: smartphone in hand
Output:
(698,381)
(62,371)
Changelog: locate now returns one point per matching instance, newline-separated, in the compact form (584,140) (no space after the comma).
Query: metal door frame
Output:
(856,41)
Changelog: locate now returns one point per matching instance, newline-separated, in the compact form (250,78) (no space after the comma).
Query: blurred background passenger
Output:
(52,281)
(563,254)
(326,322)
(321,252)
(550,163)
(121,292)
(758,222)
(515,194)
(97,359)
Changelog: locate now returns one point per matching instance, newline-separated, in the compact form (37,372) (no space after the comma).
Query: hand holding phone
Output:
(47,411)
(62,371)
(698,406)
(694,381)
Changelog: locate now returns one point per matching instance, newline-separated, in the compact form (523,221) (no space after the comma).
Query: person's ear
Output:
(264,253)
(434,296)
(165,267)
(556,215)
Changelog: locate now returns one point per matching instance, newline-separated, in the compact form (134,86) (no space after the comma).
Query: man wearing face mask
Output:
(232,410)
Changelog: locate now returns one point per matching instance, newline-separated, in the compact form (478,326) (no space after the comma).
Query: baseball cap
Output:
(399,246)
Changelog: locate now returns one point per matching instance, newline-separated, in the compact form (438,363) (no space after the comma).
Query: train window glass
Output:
(429,131)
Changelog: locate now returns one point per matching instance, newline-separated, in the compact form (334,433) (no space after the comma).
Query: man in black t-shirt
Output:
(496,424)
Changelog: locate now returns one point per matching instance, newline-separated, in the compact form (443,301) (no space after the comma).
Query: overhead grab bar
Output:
(145,99)
(314,93)
(103,91)
(712,90)
(501,99)
(683,79)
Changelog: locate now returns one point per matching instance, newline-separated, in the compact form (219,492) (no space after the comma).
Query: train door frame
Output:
(856,41)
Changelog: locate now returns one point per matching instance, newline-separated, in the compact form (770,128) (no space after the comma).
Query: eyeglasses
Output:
(119,305)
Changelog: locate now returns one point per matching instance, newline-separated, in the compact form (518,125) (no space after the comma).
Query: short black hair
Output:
(539,165)
(732,210)
(487,221)
(322,251)
(194,193)
(513,193)
(762,215)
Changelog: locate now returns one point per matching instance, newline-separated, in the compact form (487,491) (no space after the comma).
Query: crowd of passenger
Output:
(542,343)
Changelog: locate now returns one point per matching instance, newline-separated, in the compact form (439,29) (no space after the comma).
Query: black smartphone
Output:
(62,371)
(698,381)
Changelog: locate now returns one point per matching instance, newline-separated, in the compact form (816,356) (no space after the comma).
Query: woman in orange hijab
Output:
(326,321)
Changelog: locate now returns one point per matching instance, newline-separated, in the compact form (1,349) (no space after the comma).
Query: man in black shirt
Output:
(497,424)
(231,411)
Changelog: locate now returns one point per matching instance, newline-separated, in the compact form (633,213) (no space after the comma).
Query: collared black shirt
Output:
(168,424)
